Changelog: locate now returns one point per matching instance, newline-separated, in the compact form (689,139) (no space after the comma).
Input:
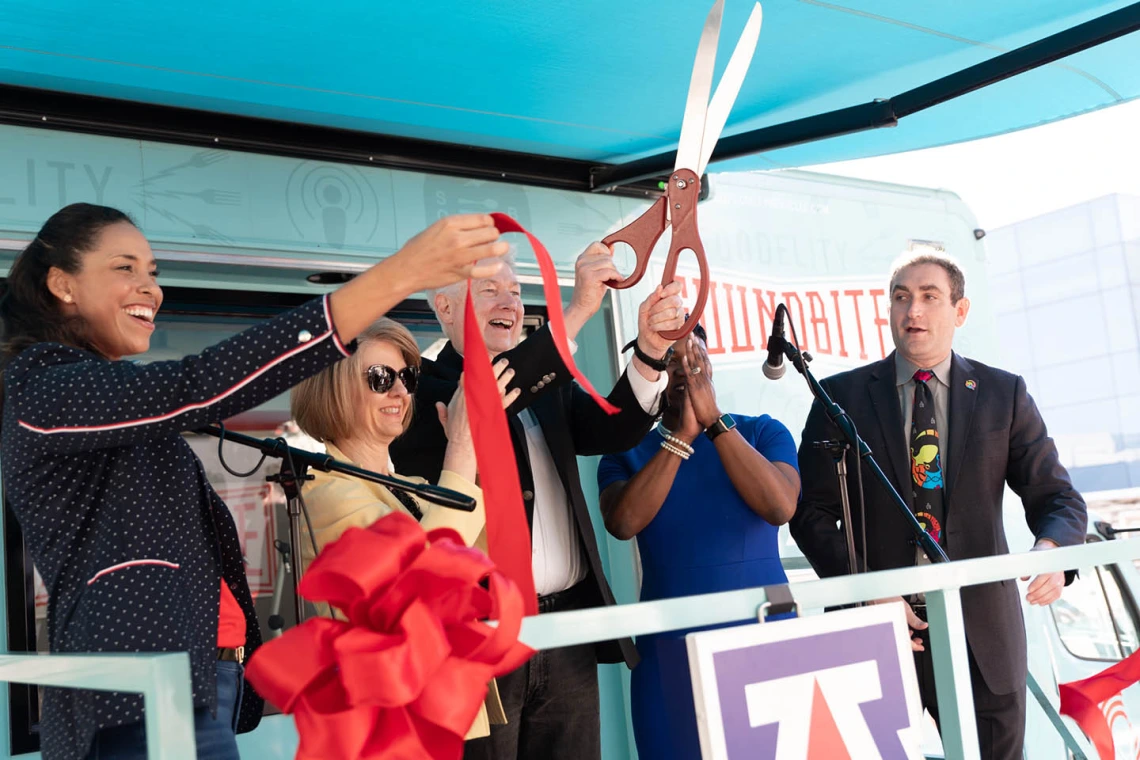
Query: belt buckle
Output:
(238,654)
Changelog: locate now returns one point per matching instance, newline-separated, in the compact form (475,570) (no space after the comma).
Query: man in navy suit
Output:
(950,433)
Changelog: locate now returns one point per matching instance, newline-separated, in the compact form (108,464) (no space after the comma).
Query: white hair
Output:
(455,291)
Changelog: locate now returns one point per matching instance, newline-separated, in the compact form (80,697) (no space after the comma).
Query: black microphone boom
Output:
(276,447)
(295,464)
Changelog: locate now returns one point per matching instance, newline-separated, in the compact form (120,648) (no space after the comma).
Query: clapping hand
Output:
(698,376)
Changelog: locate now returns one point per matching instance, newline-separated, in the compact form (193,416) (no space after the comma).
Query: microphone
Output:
(773,367)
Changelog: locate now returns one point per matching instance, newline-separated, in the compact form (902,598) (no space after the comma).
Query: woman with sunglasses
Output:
(138,552)
(356,409)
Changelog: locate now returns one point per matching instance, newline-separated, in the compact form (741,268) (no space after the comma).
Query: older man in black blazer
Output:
(552,702)
(950,433)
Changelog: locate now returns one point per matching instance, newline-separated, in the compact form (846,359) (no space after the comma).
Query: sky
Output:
(1016,176)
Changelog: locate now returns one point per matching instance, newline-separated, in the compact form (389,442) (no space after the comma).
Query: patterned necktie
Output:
(926,458)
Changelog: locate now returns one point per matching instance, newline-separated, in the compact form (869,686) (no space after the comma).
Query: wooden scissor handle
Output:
(682,193)
(641,235)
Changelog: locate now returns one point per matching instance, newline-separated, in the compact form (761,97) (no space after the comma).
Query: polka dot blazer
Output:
(130,539)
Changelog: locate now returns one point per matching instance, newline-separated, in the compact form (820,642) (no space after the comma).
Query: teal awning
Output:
(594,80)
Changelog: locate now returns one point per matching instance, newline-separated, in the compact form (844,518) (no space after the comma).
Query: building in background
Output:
(1065,287)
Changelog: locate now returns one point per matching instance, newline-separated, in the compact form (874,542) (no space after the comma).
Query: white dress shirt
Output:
(556,551)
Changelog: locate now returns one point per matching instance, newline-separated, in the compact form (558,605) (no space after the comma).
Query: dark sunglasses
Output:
(381,378)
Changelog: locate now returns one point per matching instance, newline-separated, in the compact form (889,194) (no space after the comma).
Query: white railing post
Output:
(952,675)
(162,679)
(169,709)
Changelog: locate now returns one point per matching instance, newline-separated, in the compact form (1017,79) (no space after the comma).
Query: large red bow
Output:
(404,677)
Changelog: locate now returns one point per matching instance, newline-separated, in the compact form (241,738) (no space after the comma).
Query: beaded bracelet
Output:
(674,450)
(668,436)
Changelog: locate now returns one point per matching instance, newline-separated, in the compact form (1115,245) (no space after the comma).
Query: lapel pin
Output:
(971,384)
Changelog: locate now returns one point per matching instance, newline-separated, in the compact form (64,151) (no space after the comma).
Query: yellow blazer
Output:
(337,502)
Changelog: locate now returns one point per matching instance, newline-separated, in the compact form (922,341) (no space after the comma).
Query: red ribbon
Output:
(553,295)
(508,536)
(1081,701)
(404,677)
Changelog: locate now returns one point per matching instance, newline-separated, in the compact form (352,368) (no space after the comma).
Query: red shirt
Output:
(231,621)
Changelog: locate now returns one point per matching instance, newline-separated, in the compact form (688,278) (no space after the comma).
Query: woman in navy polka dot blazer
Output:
(137,551)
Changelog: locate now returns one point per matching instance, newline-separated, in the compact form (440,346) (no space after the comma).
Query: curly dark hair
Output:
(29,312)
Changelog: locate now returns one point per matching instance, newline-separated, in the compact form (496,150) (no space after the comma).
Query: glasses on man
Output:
(381,378)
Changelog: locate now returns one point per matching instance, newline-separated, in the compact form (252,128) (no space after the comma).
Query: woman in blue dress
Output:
(704,494)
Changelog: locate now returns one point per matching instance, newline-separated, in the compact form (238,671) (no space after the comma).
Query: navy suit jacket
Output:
(997,436)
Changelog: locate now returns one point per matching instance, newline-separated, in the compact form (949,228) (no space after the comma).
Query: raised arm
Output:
(442,254)
(71,400)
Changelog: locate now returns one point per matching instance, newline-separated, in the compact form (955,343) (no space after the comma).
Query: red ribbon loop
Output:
(508,535)
(1081,701)
(405,675)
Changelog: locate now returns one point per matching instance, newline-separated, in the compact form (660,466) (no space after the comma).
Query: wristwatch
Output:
(723,425)
(660,365)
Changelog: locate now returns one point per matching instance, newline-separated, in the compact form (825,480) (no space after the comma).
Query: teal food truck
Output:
(271,152)
(820,244)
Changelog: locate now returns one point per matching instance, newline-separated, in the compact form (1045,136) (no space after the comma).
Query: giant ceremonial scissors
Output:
(700,130)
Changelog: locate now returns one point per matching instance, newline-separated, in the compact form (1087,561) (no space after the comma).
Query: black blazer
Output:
(997,436)
(571,422)
(131,540)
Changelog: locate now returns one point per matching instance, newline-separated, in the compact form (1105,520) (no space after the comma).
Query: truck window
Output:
(1093,619)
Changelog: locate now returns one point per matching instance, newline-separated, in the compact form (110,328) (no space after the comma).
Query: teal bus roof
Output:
(593,80)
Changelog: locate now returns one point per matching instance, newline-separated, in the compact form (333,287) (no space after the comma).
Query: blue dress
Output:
(704,539)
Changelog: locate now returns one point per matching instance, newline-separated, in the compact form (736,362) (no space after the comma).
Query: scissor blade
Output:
(700,85)
(729,87)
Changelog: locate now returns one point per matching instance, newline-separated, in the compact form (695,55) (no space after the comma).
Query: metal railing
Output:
(941,584)
(164,679)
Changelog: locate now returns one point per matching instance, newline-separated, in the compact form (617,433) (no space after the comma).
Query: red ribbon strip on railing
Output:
(404,677)
(508,536)
(1081,701)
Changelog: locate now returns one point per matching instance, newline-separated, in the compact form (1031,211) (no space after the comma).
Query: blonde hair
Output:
(322,405)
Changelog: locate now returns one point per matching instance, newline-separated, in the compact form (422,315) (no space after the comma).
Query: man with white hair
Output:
(551,703)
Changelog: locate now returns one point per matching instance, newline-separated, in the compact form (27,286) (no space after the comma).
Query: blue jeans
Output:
(215,737)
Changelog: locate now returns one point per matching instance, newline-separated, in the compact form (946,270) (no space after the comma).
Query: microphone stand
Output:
(838,451)
(295,464)
(847,429)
